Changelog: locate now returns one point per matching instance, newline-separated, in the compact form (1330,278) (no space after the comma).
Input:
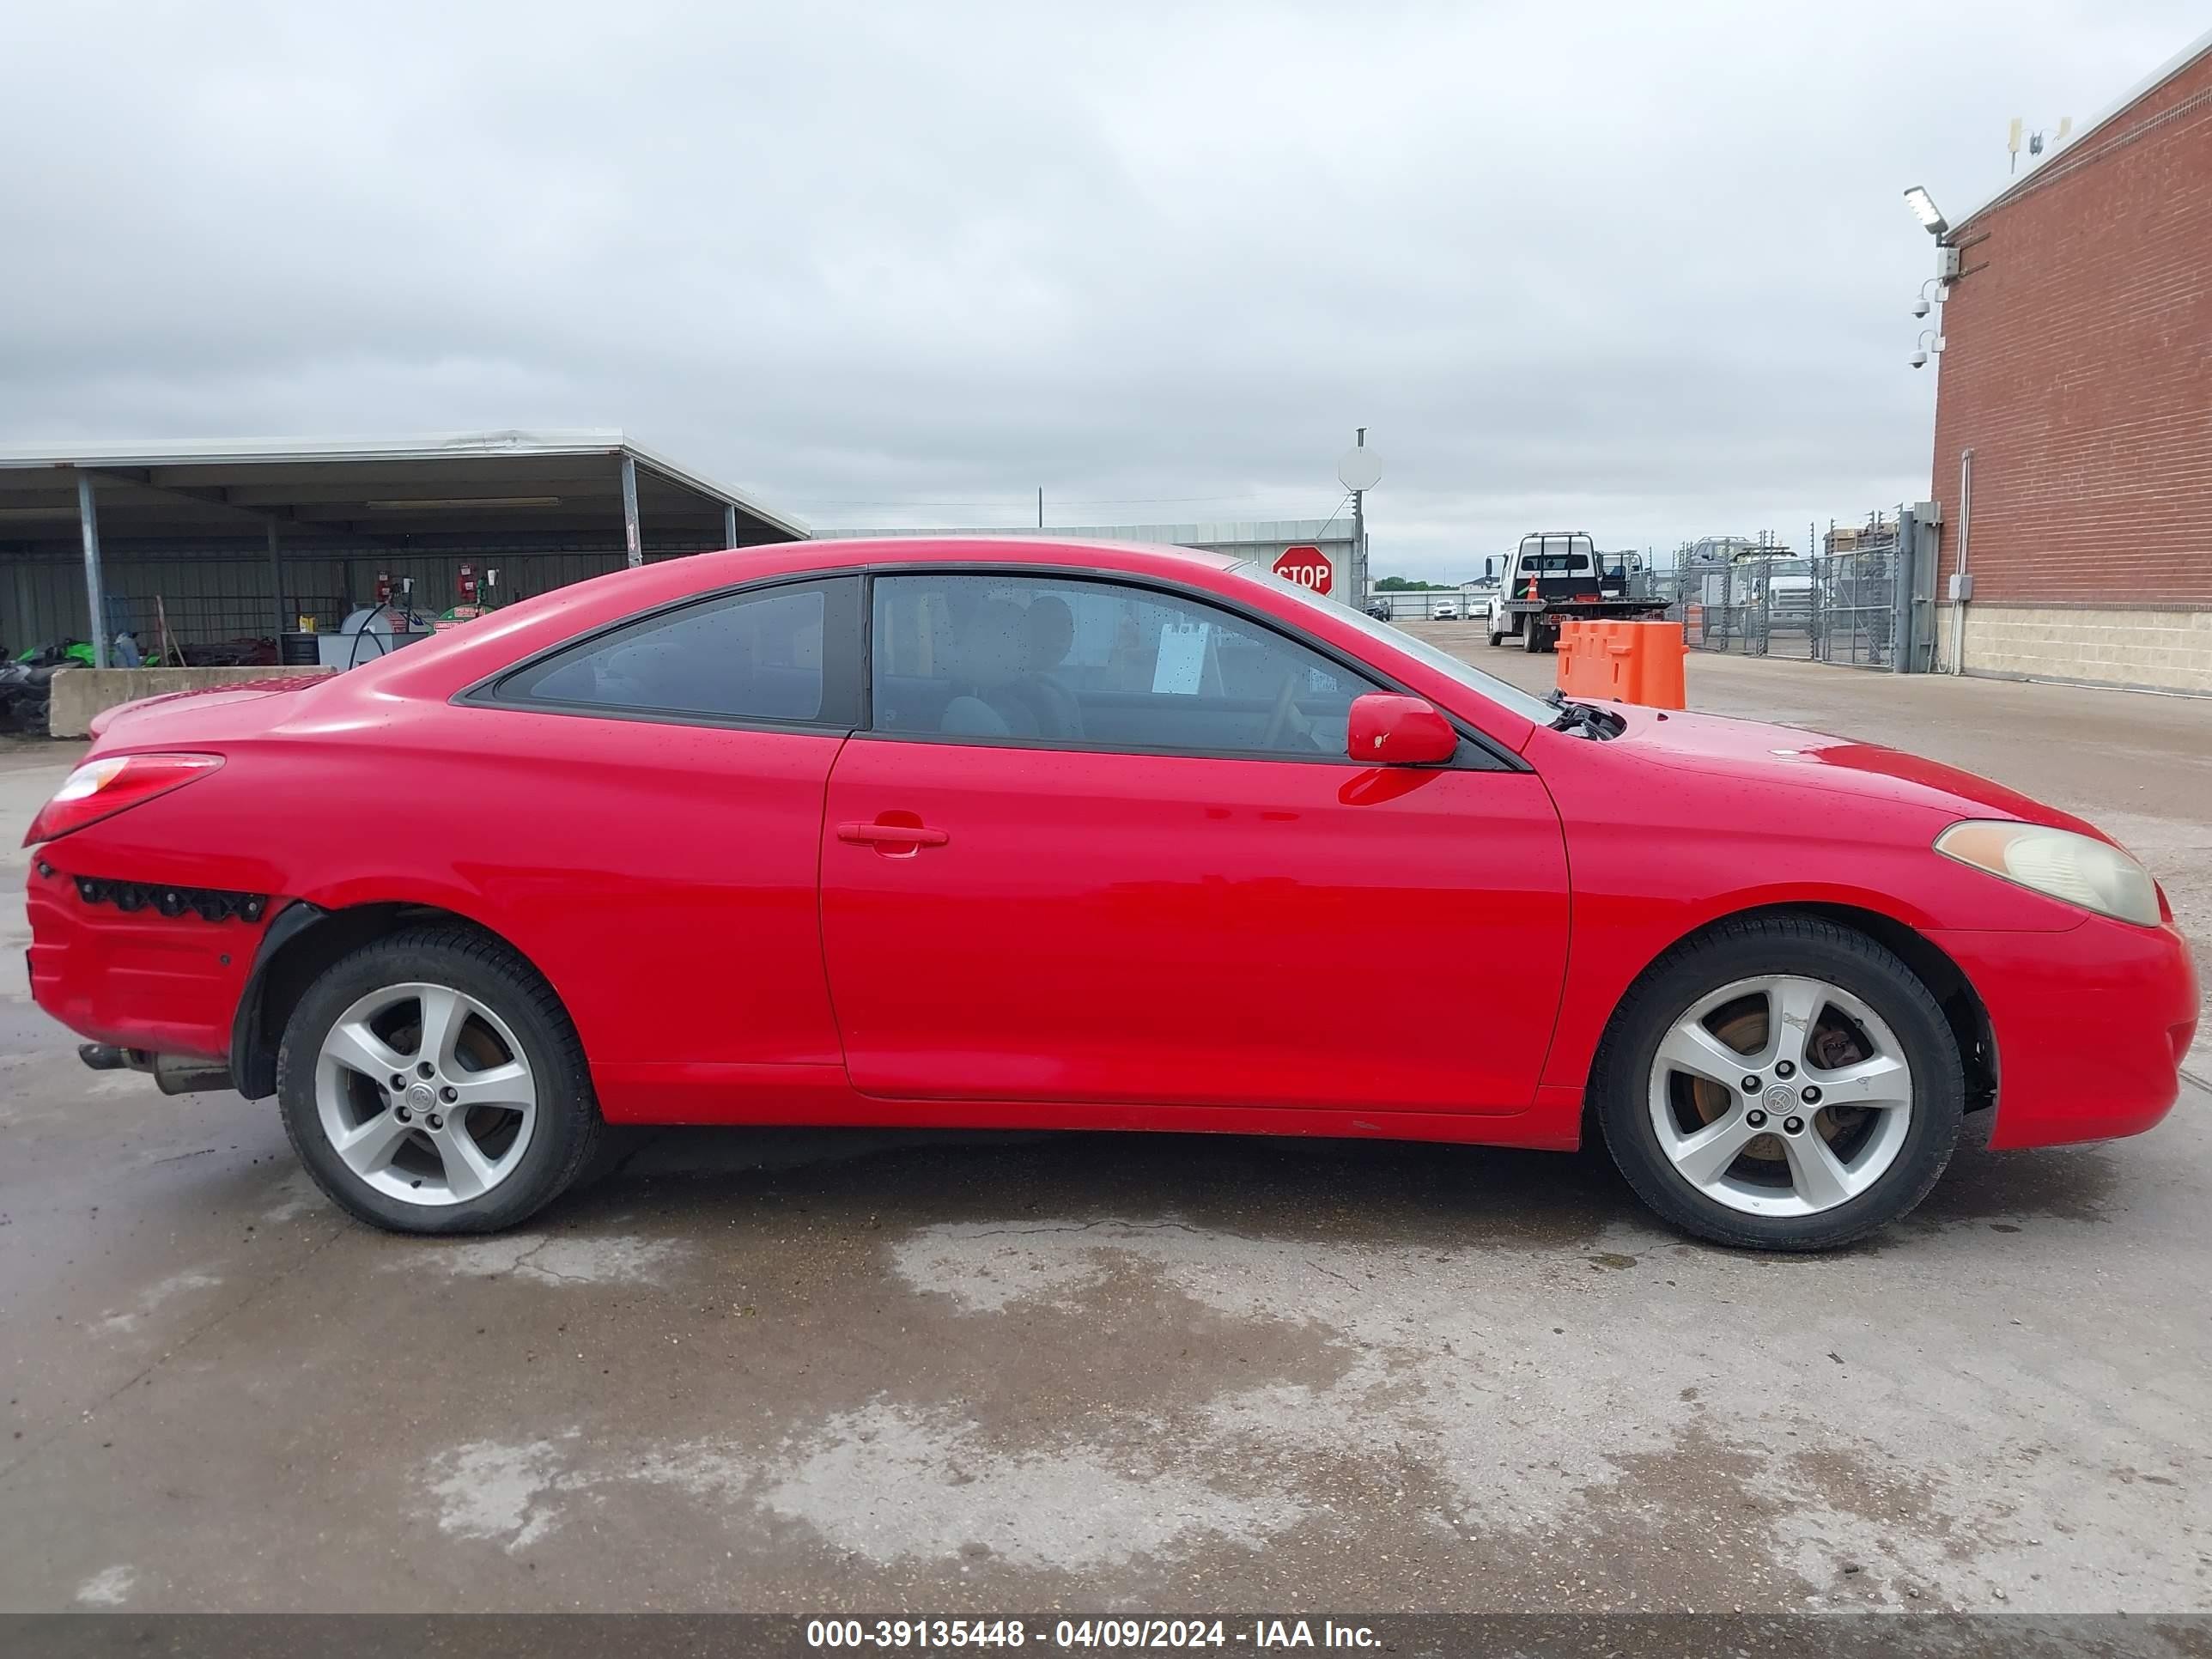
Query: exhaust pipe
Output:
(172,1074)
(182,1074)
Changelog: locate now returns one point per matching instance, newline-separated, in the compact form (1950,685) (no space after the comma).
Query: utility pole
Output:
(277,579)
(1040,507)
(1359,471)
(88,517)
(632,541)
(1359,534)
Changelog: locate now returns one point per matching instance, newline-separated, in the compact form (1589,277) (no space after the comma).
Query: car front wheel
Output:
(431,1083)
(1781,1083)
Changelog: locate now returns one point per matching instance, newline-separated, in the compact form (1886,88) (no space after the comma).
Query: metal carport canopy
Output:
(402,489)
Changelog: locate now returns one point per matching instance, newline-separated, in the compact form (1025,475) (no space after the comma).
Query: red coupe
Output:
(991,833)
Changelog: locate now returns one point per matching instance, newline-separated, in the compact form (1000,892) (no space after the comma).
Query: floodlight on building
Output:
(1924,209)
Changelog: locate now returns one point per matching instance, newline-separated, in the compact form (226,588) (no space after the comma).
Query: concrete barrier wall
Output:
(2167,649)
(78,694)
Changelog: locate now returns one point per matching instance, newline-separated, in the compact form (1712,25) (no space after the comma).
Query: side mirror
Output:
(1389,729)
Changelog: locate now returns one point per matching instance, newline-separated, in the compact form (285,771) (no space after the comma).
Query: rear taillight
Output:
(101,788)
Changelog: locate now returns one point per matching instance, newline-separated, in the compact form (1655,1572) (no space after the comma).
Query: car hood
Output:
(1789,757)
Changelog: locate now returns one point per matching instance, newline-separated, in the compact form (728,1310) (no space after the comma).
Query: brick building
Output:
(2076,390)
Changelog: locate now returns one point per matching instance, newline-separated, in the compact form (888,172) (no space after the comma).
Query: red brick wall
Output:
(2078,366)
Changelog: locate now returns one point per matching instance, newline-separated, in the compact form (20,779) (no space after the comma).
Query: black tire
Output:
(1495,637)
(1744,950)
(1531,639)
(483,967)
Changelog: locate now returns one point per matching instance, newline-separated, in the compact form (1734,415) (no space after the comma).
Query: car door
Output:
(1100,842)
(657,787)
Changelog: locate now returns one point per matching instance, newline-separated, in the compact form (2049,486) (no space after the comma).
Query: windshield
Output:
(1509,698)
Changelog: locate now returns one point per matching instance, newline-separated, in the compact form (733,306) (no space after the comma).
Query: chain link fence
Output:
(1422,604)
(1837,607)
(1865,599)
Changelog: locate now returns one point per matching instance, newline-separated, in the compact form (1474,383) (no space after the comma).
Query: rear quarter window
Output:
(779,655)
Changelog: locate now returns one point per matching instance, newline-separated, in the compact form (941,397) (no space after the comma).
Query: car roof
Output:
(597,600)
(845,552)
(500,639)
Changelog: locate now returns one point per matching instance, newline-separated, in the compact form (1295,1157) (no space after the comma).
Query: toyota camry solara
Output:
(1030,834)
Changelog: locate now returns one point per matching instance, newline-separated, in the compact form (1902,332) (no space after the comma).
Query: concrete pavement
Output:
(965,1374)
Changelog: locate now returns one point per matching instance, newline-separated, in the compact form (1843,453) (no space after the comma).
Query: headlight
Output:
(2078,869)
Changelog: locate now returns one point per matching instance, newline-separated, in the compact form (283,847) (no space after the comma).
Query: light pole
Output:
(1359,471)
(1933,221)
(1946,269)
(1924,209)
(1949,268)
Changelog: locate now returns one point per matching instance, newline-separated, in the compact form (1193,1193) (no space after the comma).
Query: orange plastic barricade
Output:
(1638,662)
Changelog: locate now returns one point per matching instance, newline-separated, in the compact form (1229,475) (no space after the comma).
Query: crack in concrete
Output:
(1043,1227)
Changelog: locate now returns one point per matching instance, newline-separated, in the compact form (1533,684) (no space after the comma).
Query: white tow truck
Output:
(1558,575)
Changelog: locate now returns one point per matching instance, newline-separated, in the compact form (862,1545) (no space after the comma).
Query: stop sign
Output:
(1308,566)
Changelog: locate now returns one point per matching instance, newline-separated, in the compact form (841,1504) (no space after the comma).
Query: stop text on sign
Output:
(1308,567)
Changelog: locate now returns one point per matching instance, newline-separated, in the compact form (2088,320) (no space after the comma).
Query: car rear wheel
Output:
(1782,1083)
(431,1083)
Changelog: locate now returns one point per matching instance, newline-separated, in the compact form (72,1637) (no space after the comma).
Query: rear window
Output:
(780,656)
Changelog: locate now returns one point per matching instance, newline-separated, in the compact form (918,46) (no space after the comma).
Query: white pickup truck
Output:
(1556,576)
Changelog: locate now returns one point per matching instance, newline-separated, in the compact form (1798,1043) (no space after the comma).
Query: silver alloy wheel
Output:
(1796,1115)
(425,1094)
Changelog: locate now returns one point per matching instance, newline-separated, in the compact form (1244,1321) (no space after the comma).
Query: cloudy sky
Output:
(1639,268)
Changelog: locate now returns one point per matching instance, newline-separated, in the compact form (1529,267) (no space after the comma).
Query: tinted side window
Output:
(779,654)
(1047,661)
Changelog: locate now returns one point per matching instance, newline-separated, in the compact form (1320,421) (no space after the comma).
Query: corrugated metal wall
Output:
(226,591)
